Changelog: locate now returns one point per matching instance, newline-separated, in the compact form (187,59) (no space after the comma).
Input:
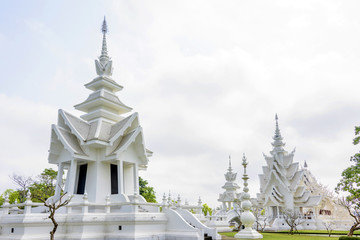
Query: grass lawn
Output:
(324,232)
(274,236)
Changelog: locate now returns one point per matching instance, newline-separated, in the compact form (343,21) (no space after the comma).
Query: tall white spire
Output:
(104,54)
(103,102)
(230,168)
(278,143)
(247,217)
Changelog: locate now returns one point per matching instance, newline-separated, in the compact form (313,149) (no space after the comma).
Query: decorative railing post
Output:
(28,203)
(85,208)
(164,200)
(107,204)
(69,207)
(135,201)
(178,204)
(199,210)
(169,200)
(6,205)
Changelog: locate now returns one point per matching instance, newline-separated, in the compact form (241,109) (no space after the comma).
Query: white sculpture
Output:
(247,217)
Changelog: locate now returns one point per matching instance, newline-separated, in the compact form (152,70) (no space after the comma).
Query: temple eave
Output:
(101,113)
(103,81)
(102,102)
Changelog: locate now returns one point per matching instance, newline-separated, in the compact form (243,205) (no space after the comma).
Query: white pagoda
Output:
(102,150)
(230,195)
(229,211)
(101,153)
(282,186)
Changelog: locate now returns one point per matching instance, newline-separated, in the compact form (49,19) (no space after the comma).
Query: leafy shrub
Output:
(349,238)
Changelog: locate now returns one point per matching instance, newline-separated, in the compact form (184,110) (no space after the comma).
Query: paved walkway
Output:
(227,238)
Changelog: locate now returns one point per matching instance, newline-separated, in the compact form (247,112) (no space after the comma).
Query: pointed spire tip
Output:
(104,28)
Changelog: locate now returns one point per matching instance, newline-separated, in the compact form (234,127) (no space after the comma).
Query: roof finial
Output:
(230,162)
(104,54)
(277,144)
(104,28)
(104,64)
(277,130)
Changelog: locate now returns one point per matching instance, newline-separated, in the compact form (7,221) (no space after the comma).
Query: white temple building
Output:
(102,153)
(327,211)
(284,184)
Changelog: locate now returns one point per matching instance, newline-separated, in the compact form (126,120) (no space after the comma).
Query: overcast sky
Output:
(206,77)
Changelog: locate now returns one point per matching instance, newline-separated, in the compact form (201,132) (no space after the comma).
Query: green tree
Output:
(350,183)
(23,184)
(43,191)
(44,186)
(292,219)
(146,191)
(206,210)
(12,194)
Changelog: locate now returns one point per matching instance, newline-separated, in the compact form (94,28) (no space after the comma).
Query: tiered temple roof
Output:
(282,182)
(103,103)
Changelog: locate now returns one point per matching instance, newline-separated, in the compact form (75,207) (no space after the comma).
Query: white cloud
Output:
(25,127)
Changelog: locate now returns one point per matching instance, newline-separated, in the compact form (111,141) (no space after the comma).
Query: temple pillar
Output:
(70,180)
(136,178)
(120,176)
(59,179)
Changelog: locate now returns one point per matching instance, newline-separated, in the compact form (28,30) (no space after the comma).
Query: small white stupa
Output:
(228,197)
(247,217)
(230,209)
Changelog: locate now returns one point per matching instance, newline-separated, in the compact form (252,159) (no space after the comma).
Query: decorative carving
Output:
(105,68)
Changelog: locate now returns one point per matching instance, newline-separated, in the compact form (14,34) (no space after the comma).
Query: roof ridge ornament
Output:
(104,64)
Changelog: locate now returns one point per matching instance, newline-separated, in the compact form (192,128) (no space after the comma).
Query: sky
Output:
(206,77)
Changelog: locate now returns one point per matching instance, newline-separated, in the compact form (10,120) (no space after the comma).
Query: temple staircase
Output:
(209,233)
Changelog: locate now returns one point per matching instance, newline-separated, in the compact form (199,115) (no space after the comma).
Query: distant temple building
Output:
(284,185)
(102,153)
